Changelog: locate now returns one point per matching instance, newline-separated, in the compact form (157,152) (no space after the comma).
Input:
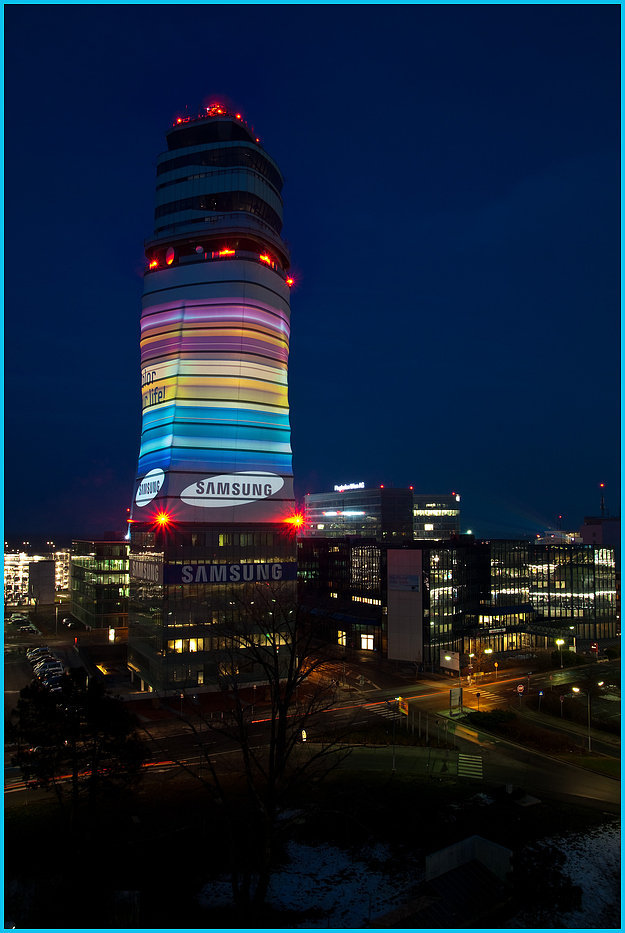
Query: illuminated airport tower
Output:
(213,506)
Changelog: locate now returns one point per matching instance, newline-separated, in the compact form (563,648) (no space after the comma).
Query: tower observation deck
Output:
(215,325)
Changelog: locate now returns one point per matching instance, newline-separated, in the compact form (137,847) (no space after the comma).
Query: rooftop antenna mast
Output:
(602,487)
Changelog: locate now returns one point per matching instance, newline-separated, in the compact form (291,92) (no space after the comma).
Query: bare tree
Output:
(268,642)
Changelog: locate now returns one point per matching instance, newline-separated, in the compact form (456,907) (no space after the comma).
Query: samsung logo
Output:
(231,489)
(149,487)
(229,573)
(146,570)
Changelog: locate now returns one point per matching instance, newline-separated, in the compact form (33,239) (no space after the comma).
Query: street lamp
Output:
(394,723)
(559,643)
(587,692)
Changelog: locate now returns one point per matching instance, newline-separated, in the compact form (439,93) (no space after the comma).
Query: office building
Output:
(20,571)
(379,512)
(391,516)
(436,517)
(213,507)
(99,583)
(408,603)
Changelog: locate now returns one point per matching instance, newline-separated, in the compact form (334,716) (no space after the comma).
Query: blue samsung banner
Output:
(229,573)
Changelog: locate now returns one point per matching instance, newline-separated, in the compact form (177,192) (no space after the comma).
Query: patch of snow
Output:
(350,890)
(346,891)
(593,861)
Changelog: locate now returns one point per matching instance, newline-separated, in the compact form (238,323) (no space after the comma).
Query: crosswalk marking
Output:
(486,695)
(383,709)
(470,766)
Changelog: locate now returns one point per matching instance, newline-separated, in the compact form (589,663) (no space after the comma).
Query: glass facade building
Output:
(436,518)
(383,513)
(507,595)
(99,583)
(213,507)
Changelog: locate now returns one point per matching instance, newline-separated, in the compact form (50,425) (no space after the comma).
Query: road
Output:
(172,740)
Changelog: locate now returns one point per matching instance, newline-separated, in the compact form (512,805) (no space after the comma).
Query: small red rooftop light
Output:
(163,518)
(179,120)
(289,282)
(153,264)
(238,116)
(264,257)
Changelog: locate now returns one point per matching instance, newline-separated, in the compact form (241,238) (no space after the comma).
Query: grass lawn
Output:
(609,766)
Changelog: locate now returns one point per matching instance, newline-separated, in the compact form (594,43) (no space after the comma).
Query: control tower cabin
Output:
(213,505)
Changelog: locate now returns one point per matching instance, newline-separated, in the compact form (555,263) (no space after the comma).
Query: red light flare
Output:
(226,252)
(293,524)
(154,264)
(163,519)
(265,257)
(289,282)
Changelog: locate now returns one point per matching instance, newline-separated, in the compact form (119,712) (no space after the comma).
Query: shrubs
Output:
(494,717)
(569,659)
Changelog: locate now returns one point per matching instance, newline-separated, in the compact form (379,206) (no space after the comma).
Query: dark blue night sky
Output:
(452,206)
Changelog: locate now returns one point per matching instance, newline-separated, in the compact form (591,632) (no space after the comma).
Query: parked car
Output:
(38,649)
(52,681)
(47,658)
(44,659)
(29,629)
(48,671)
(40,655)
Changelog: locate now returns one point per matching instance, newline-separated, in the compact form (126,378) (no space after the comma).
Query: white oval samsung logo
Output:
(149,487)
(214,492)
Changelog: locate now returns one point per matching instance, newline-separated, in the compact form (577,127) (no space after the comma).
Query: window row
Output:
(224,171)
(223,202)
(222,643)
(233,156)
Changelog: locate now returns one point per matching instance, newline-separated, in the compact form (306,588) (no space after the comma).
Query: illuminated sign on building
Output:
(349,486)
(146,570)
(149,487)
(403,581)
(229,573)
(231,489)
